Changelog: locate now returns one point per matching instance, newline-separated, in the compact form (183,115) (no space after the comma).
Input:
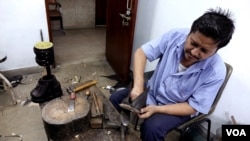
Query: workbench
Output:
(111,123)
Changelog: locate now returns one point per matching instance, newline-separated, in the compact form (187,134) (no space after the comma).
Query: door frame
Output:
(48,21)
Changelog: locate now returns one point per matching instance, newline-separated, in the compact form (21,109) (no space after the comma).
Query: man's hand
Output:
(135,92)
(148,111)
(178,109)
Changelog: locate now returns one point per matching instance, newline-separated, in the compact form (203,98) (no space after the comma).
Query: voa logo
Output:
(236,132)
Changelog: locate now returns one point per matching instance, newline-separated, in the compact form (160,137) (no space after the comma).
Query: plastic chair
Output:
(55,12)
(184,128)
(6,83)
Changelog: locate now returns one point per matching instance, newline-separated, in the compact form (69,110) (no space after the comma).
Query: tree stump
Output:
(59,123)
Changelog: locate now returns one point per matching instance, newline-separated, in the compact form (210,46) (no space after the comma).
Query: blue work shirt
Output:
(198,84)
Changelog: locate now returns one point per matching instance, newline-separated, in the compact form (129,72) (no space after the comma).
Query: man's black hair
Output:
(216,24)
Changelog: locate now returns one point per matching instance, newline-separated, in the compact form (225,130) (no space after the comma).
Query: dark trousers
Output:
(117,97)
(155,127)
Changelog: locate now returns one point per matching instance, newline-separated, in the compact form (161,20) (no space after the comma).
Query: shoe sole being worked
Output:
(45,99)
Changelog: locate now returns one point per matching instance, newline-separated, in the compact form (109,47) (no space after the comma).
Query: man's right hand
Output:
(135,92)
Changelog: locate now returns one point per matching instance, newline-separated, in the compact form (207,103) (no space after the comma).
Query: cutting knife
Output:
(71,107)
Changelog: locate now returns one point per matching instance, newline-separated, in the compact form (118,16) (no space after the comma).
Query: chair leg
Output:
(136,123)
(123,132)
(208,129)
(8,87)
(61,24)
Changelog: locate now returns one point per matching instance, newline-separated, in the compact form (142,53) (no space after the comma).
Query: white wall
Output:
(156,17)
(21,21)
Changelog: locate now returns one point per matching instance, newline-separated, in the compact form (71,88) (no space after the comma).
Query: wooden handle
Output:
(85,85)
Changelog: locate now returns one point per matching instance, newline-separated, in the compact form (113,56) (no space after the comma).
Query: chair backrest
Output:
(55,9)
(229,70)
(54,5)
(228,74)
(51,1)
(185,127)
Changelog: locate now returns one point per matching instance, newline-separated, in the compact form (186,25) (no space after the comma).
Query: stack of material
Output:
(96,120)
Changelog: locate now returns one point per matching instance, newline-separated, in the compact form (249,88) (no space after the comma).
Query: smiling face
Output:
(198,47)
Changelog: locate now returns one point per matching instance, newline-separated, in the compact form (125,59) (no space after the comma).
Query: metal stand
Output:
(48,87)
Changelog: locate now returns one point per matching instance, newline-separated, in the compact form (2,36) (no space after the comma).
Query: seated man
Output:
(187,77)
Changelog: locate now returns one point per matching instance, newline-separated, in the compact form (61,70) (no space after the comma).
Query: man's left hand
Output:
(147,111)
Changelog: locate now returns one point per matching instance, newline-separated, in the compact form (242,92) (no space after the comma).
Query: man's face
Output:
(198,47)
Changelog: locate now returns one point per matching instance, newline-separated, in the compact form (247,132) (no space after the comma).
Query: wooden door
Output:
(121,16)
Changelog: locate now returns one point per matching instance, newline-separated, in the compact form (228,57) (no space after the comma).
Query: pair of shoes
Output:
(46,89)
(15,80)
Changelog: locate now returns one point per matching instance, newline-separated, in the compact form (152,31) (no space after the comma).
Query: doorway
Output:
(84,40)
(79,45)
(121,17)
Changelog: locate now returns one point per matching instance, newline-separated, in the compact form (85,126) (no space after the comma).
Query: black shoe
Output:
(47,89)
(136,104)
(140,101)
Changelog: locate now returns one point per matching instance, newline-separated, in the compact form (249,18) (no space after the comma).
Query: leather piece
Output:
(138,103)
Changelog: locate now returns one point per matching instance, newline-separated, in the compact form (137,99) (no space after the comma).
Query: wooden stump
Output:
(59,123)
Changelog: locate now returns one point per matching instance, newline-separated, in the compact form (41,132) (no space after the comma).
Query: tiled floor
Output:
(79,53)
(80,45)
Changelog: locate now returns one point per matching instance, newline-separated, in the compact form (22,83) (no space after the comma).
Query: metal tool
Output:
(124,124)
(71,107)
(130,108)
(14,135)
(73,92)
(26,101)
